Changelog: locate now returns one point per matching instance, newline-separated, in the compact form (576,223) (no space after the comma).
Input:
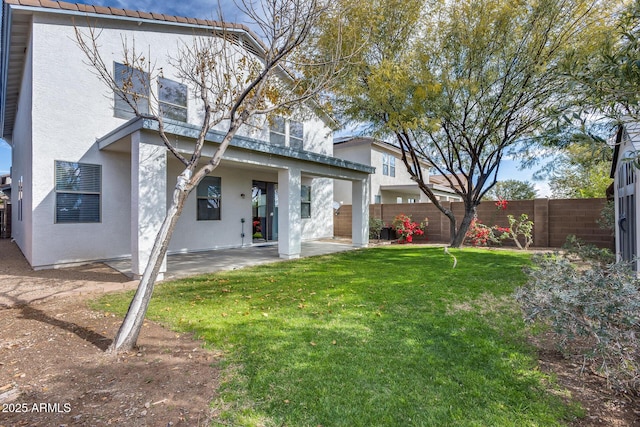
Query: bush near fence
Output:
(553,219)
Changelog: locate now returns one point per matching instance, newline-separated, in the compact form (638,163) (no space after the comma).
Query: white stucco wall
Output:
(21,166)
(70,110)
(193,235)
(320,225)
(372,155)
(360,153)
(402,177)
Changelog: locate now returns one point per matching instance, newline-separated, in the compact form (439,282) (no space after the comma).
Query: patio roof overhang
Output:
(242,149)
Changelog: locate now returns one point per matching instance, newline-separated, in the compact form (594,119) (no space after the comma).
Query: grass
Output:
(388,336)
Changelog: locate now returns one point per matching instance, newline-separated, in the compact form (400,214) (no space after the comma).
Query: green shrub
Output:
(594,311)
(586,251)
(375,228)
(607,218)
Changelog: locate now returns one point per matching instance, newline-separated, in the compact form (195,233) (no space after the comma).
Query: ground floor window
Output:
(78,192)
(209,196)
(305,201)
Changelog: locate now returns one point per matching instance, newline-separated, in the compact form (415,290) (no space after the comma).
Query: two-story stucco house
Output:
(90,182)
(391,182)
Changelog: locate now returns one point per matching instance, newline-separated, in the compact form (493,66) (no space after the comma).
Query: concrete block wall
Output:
(577,216)
(553,220)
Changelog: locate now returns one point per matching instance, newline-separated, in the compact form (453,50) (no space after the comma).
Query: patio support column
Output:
(360,213)
(289,217)
(148,201)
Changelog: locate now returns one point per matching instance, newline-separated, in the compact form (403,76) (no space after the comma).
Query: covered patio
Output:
(246,162)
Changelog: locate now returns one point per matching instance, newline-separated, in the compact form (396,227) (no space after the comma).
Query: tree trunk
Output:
(458,237)
(127,336)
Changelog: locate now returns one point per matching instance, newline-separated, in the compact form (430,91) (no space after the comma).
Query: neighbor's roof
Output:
(15,35)
(442,179)
(347,141)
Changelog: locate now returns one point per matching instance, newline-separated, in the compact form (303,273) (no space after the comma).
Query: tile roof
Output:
(114,11)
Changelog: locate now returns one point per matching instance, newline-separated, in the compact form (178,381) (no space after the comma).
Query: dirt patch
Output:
(604,407)
(53,367)
(54,371)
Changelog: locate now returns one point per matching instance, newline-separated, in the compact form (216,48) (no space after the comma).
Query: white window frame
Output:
(209,181)
(127,80)
(92,186)
(305,200)
(388,165)
(286,132)
(172,107)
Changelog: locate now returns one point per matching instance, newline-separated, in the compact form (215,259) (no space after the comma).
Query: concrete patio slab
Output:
(189,264)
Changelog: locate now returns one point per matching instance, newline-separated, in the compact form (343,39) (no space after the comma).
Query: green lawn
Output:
(389,336)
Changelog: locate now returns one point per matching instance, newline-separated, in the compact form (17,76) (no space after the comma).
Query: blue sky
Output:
(207,9)
(204,9)
(5,157)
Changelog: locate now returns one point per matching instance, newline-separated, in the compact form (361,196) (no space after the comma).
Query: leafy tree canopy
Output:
(460,83)
(582,162)
(512,189)
(608,77)
(578,174)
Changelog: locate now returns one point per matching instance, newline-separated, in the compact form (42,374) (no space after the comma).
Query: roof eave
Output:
(191,131)
(4,61)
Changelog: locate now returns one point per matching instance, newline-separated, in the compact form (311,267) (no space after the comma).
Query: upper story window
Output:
(172,98)
(283,131)
(296,134)
(134,86)
(278,131)
(78,191)
(209,193)
(388,165)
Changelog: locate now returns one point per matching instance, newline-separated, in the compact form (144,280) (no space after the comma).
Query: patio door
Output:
(627,210)
(264,204)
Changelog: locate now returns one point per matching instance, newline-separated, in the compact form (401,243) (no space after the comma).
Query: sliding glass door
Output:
(264,203)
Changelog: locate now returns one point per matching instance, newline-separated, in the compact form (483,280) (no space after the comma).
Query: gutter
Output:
(4,60)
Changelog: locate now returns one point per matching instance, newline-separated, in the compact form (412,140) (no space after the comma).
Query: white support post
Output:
(289,217)
(360,213)
(148,201)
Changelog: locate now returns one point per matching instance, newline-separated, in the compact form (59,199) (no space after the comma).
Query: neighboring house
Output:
(391,182)
(5,187)
(626,191)
(92,183)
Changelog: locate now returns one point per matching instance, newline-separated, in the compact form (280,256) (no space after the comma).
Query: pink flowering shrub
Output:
(479,234)
(406,229)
